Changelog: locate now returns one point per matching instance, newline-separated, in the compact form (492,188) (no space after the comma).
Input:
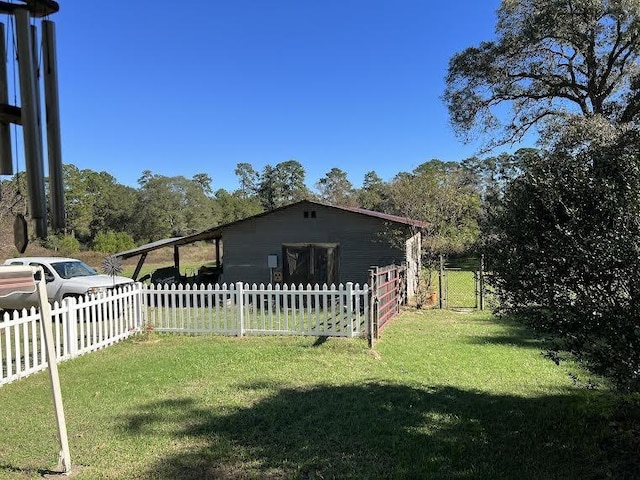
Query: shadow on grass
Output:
(515,333)
(320,341)
(524,341)
(377,431)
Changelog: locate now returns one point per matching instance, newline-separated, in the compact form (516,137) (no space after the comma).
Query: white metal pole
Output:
(64,460)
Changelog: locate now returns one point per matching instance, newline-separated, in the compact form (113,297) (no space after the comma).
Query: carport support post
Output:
(143,257)
(176,259)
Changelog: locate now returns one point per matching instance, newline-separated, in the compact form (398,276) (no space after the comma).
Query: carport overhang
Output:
(214,234)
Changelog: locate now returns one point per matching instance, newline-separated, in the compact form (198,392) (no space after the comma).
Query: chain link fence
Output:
(461,284)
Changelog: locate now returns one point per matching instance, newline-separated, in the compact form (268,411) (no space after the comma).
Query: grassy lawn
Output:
(443,395)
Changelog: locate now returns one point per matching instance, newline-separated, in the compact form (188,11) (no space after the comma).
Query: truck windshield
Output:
(73,269)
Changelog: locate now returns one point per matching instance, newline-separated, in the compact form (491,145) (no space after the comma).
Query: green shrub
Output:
(112,242)
(63,244)
(564,252)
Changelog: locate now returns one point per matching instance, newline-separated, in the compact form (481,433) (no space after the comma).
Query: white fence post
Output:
(350,319)
(240,305)
(140,307)
(364,292)
(70,310)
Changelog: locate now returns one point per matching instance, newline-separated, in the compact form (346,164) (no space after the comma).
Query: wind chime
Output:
(22,18)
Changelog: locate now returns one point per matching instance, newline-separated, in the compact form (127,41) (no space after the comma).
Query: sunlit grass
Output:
(442,395)
(458,288)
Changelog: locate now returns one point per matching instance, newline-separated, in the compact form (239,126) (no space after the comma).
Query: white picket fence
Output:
(91,323)
(79,326)
(242,309)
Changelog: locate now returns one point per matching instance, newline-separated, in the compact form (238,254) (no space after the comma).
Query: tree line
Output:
(105,215)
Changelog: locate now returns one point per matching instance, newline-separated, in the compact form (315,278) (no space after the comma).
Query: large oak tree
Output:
(552,61)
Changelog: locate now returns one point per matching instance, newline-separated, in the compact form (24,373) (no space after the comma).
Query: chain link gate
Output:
(461,283)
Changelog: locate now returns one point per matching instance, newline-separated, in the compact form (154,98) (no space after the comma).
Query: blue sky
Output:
(181,88)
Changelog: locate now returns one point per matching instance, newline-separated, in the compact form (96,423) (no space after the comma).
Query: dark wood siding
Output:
(362,241)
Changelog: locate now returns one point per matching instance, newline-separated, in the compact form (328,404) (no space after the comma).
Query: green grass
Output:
(460,289)
(443,395)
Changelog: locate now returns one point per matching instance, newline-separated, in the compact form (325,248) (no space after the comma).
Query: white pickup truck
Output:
(65,277)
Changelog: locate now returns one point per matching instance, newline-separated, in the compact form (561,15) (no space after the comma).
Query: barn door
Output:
(311,263)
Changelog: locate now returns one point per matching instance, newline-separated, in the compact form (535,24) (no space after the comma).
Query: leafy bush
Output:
(64,244)
(564,252)
(112,242)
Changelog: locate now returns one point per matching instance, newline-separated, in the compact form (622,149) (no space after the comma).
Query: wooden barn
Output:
(307,242)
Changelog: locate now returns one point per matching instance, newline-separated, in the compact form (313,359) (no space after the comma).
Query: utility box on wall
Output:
(272,261)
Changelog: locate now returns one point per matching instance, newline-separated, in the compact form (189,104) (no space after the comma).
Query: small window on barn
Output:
(305,214)
(313,214)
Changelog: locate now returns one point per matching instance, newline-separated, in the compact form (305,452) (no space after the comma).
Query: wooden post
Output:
(176,259)
(372,301)
(64,460)
(440,283)
(482,282)
(136,272)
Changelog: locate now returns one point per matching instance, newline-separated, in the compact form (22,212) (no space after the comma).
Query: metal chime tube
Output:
(36,77)
(6,159)
(54,144)
(31,134)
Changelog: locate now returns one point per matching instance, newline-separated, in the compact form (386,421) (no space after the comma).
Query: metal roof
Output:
(167,242)
(384,216)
